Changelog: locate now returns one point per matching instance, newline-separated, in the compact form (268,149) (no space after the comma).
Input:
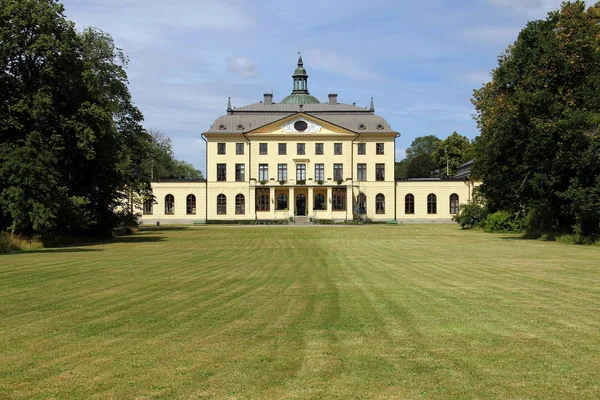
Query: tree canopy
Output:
(539,150)
(71,141)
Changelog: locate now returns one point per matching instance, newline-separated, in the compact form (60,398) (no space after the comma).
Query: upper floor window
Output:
(362,149)
(380,204)
(148,206)
(301,173)
(380,172)
(239,149)
(221,172)
(282,172)
(263,172)
(282,149)
(379,148)
(300,149)
(409,204)
(361,172)
(319,149)
(240,172)
(262,149)
(337,149)
(319,172)
(169,204)
(190,204)
(338,172)
(220,148)
(453,203)
(432,204)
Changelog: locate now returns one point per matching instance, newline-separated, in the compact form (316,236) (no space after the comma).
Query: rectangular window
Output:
(338,172)
(263,172)
(301,173)
(220,148)
(282,172)
(240,172)
(319,172)
(380,172)
(379,148)
(239,149)
(338,199)
(319,149)
(300,149)
(221,172)
(362,149)
(262,149)
(282,149)
(262,199)
(361,172)
(148,206)
(337,149)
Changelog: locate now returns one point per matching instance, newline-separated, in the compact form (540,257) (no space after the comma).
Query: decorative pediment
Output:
(301,125)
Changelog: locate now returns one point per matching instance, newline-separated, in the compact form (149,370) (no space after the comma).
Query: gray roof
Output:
(464,171)
(248,118)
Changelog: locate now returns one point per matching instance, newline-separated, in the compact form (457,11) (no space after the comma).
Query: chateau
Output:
(301,159)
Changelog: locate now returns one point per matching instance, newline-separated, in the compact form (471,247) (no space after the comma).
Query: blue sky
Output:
(420,60)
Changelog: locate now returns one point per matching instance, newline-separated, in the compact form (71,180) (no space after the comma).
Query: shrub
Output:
(470,215)
(502,221)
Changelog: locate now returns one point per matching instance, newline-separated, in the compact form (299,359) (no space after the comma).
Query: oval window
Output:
(300,126)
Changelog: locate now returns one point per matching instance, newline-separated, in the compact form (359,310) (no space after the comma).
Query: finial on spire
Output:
(372,105)
(300,63)
(229,109)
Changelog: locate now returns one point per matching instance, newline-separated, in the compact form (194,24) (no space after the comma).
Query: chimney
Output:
(333,99)
(268,99)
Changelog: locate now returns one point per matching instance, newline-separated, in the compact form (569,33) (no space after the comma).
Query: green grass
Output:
(346,312)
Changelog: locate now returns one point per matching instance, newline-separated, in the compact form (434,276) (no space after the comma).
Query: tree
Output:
(400,169)
(539,117)
(423,145)
(422,166)
(163,162)
(451,153)
(71,142)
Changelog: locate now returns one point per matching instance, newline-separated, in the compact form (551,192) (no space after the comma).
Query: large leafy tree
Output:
(71,143)
(539,149)
(419,163)
(451,153)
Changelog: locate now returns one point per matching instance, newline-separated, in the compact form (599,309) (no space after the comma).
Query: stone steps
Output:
(301,220)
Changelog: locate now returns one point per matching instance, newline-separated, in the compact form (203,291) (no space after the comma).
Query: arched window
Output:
(190,204)
(361,203)
(432,204)
(147,206)
(240,204)
(320,202)
(453,203)
(380,204)
(169,204)
(222,204)
(282,203)
(409,204)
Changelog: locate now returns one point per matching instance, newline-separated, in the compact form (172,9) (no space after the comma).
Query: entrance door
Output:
(301,204)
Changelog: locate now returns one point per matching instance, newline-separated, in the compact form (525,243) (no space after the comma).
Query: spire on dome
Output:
(229,109)
(300,93)
(372,106)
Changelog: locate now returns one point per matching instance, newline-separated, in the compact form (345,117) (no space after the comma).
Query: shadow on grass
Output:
(50,250)
(162,228)
(136,238)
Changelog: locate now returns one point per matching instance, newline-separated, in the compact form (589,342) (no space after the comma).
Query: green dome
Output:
(300,71)
(297,98)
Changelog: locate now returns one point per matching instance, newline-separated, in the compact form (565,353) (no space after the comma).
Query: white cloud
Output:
(474,77)
(243,67)
(532,7)
(340,65)
(489,34)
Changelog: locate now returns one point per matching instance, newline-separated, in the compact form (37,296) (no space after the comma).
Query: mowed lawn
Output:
(315,312)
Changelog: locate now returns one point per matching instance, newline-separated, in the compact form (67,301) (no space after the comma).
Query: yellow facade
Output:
(303,160)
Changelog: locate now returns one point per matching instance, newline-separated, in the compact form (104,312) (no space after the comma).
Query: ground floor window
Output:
(169,204)
(221,204)
(380,204)
(282,202)
(454,203)
(361,203)
(240,204)
(262,199)
(320,202)
(338,199)
(190,204)
(147,207)
(409,204)
(432,204)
